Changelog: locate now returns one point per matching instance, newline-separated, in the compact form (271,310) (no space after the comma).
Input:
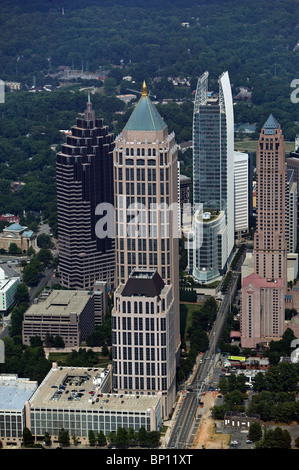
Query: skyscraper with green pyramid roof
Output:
(145,178)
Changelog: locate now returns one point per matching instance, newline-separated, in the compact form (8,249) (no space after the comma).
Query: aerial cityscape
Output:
(149,215)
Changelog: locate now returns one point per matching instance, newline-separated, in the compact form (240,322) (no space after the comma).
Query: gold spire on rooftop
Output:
(144,89)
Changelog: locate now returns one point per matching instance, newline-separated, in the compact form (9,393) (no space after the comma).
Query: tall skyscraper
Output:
(213,179)
(84,173)
(269,237)
(263,292)
(147,215)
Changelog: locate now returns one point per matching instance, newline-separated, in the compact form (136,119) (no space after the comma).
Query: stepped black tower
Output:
(84,173)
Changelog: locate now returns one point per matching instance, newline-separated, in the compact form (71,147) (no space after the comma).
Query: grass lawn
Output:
(248,145)
(186,311)
(60,358)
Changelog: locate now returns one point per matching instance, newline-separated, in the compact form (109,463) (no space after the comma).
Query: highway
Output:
(186,420)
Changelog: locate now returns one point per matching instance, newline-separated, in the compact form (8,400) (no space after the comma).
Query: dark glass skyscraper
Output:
(84,173)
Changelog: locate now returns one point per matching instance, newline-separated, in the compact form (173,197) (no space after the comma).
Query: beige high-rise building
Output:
(143,338)
(263,292)
(146,184)
(270,240)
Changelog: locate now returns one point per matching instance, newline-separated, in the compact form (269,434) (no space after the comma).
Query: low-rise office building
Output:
(79,400)
(65,313)
(8,287)
(14,393)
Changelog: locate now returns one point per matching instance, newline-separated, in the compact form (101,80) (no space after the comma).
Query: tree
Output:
(91,438)
(30,251)
(44,256)
(31,274)
(14,249)
(44,241)
(276,438)
(27,437)
(35,341)
(22,294)
(142,436)
(47,439)
(101,439)
(255,432)
(63,437)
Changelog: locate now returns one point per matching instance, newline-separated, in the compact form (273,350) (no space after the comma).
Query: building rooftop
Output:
(145,116)
(14,392)
(14,228)
(80,388)
(144,283)
(61,302)
(259,281)
(270,125)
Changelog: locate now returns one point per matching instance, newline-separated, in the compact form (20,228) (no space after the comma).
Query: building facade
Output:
(291,212)
(66,313)
(84,173)
(143,342)
(241,192)
(14,393)
(20,235)
(56,405)
(213,172)
(270,246)
(263,291)
(8,288)
(146,179)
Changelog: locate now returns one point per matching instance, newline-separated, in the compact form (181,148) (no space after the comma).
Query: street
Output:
(186,420)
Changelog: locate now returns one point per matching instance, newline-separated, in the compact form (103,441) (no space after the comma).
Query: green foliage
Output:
(275,439)
(23,360)
(280,348)
(187,295)
(101,439)
(63,437)
(255,432)
(22,294)
(101,335)
(27,437)
(81,358)
(91,437)
(130,438)
(14,249)
(44,256)
(44,241)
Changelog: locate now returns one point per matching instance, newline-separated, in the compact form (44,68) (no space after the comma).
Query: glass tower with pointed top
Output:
(146,208)
(213,180)
(84,174)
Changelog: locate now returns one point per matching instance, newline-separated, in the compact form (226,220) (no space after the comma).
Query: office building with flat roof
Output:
(8,287)
(14,393)
(143,342)
(79,399)
(65,313)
